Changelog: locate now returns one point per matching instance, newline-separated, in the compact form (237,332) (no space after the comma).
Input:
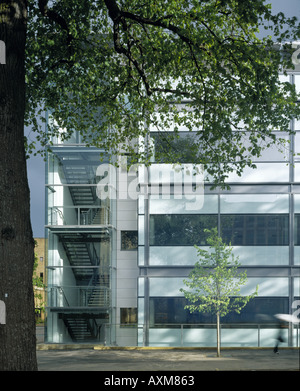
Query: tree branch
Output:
(119,17)
(55,17)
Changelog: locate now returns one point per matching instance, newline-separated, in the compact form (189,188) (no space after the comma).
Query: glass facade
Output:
(263,230)
(259,216)
(81,245)
(115,267)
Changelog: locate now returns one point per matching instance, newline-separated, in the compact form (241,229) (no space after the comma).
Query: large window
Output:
(239,229)
(297,230)
(170,147)
(180,230)
(170,310)
(255,229)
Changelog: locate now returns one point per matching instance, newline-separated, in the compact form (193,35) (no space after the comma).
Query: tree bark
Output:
(17,336)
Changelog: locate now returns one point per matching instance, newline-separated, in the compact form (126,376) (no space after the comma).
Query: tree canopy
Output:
(116,69)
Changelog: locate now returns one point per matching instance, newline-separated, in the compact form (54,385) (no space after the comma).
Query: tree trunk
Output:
(17,336)
(218,336)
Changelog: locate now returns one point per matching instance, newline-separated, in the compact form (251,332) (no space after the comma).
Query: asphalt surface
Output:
(154,360)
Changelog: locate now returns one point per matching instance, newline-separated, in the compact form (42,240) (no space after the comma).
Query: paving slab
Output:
(116,359)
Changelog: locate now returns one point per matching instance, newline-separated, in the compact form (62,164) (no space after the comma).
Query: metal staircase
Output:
(82,327)
(81,256)
(100,293)
(84,196)
(99,297)
(90,295)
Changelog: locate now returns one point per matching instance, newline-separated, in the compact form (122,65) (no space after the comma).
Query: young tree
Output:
(215,282)
(112,68)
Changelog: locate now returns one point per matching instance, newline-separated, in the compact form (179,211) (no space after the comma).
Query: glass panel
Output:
(170,310)
(199,204)
(180,180)
(248,255)
(141,287)
(254,203)
(255,230)
(77,205)
(63,215)
(79,259)
(297,230)
(141,255)
(141,205)
(169,286)
(141,311)
(165,286)
(141,229)
(297,171)
(74,138)
(72,195)
(297,203)
(129,240)
(274,152)
(297,128)
(128,316)
(265,172)
(297,83)
(183,147)
(284,78)
(297,142)
(262,255)
(73,167)
(79,296)
(170,146)
(297,289)
(276,286)
(180,230)
(171,256)
(297,255)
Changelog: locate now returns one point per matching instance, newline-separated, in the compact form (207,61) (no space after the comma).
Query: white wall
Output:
(127,269)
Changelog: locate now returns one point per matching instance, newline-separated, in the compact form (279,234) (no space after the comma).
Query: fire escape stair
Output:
(79,327)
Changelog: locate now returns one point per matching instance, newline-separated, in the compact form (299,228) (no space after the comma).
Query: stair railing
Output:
(54,299)
(55,211)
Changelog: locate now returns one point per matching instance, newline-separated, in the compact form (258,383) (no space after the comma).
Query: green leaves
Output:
(215,282)
(134,60)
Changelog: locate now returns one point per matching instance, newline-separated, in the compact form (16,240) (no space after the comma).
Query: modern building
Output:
(115,264)
(39,274)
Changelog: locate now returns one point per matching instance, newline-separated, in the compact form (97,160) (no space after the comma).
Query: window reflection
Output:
(129,240)
(180,230)
(170,311)
(239,229)
(255,230)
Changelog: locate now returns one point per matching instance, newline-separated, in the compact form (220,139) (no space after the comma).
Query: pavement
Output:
(114,360)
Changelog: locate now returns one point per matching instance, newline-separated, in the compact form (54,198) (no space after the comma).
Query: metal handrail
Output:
(84,217)
(83,297)
(180,326)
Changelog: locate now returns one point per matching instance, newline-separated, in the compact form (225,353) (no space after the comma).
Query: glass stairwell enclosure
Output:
(81,236)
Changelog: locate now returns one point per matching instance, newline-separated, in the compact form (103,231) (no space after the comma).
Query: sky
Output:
(36,164)
(36,179)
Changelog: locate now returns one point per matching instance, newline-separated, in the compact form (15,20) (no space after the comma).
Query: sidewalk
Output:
(99,358)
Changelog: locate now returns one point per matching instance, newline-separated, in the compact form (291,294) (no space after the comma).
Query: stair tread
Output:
(79,328)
